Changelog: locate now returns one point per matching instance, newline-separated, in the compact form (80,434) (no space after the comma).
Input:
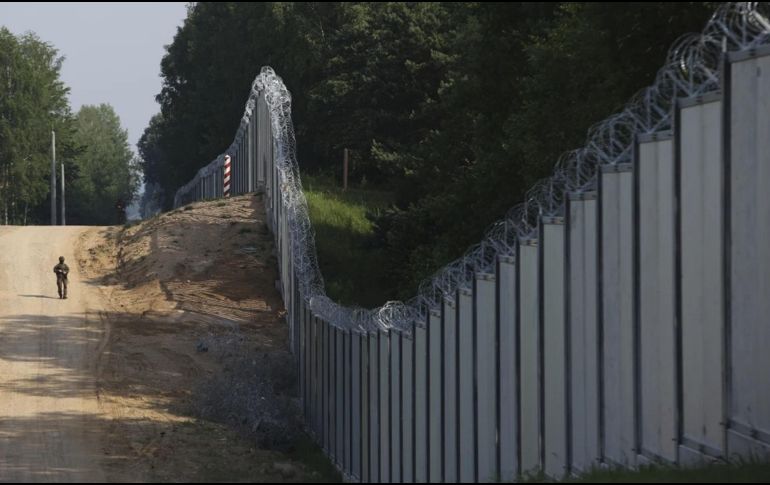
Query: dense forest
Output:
(456,108)
(99,165)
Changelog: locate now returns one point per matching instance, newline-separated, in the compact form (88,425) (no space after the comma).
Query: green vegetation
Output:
(106,166)
(313,458)
(741,473)
(350,260)
(33,101)
(99,166)
(455,108)
(746,472)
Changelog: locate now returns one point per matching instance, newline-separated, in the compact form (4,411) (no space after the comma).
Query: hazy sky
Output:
(112,51)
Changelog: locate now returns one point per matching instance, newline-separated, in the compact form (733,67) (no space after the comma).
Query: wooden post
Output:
(345,170)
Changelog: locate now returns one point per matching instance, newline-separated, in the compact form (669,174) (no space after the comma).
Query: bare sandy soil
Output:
(108,384)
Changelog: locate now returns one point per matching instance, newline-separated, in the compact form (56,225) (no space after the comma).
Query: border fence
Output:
(620,315)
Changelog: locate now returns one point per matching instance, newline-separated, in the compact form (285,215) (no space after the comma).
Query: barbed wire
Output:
(693,67)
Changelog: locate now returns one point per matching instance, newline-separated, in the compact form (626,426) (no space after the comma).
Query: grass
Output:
(749,471)
(351,265)
(313,457)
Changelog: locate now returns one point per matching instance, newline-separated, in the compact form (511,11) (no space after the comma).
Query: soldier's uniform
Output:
(61,270)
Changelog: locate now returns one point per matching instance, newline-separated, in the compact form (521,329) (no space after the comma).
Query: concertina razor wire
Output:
(693,67)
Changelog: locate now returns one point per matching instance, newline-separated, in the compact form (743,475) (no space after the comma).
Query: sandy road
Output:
(110,384)
(50,421)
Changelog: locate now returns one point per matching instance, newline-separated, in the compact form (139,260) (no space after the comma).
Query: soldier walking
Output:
(61,270)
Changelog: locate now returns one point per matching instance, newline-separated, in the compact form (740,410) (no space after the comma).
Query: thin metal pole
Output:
(53,178)
(63,205)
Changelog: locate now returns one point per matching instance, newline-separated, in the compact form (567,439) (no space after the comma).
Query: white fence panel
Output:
(555,348)
(435,425)
(508,362)
(451,396)
(618,315)
(529,351)
(485,326)
(702,281)
(749,213)
(584,331)
(657,298)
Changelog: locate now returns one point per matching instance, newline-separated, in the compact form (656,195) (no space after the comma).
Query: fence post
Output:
(228,168)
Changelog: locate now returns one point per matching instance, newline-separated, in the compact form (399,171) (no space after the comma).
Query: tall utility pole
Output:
(63,205)
(53,178)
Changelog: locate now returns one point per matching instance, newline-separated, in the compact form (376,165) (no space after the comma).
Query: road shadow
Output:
(40,296)
(26,445)
(50,355)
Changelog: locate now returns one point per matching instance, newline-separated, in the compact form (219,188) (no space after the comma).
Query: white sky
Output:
(112,50)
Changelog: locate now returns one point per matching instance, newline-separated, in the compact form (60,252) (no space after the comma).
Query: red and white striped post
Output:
(227,176)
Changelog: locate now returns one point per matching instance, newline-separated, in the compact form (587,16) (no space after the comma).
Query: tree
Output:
(33,102)
(527,85)
(457,107)
(107,167)
(208,67)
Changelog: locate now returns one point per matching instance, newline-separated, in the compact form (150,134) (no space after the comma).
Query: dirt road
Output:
(168,363)
(49,414)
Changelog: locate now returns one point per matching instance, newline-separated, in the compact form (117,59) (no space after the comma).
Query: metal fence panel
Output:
(347,420)
(465,362)
(326,388)
(356,404)
(749,214)
(450,397)
(702,274)
(339,401)
(529,350)
(657,304)
(485,345)
(365,421)
(421,404)
(584,332)
(374,408)
(396,404)
(508,363)
(407,410)
(302,359)
(330,390)
(555,349)
(384,399)
(317,378)
(618,315)
(435,424)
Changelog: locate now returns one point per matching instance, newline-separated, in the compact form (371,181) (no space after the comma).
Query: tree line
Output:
(100,168)
(456,107)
